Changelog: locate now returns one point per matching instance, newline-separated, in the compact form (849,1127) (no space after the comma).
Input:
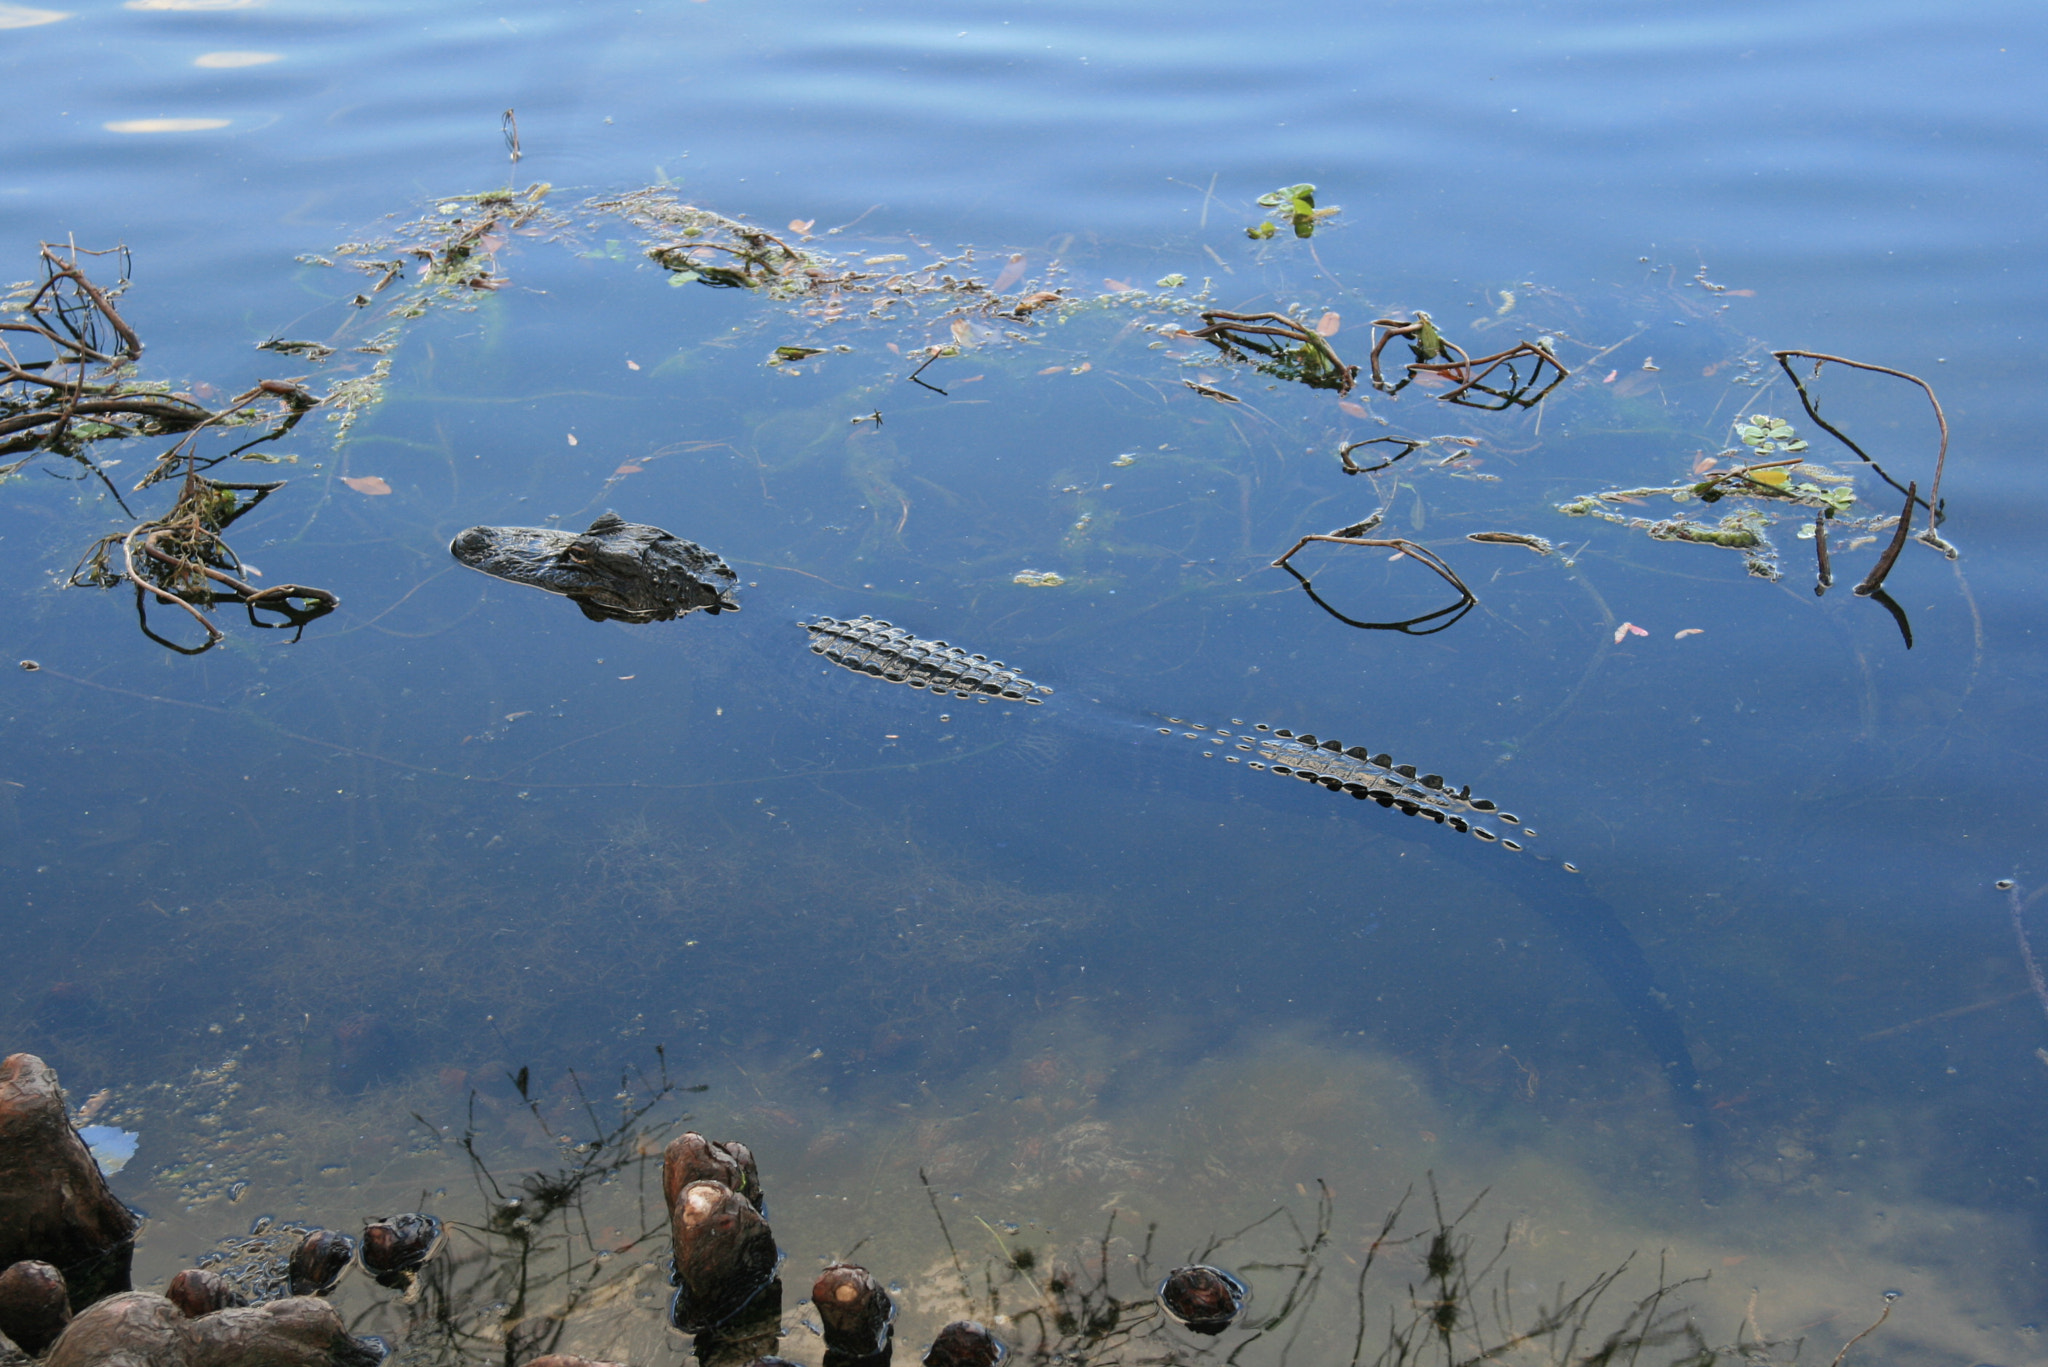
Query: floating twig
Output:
(1437,355)
(1408,445)
(1355,536)
(1933,500)
(1826,574)
(1874,581)
(1424,340)
(1209,392)
(1534,543)
(1228,333)
(1889,1298)
(937,352)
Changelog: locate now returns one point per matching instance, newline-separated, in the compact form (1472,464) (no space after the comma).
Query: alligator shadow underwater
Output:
(634,573)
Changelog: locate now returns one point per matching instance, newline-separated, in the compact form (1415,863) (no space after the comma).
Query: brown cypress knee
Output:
(34,1306)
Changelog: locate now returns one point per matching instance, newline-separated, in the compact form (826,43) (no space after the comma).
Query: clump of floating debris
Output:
(82,393)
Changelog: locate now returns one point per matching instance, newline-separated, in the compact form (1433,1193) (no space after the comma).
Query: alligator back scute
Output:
(867,646)
(1356,771)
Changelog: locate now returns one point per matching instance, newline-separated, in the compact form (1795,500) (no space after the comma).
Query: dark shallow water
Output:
(1042,953)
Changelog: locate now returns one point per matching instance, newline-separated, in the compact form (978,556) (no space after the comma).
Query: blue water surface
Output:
(457,828)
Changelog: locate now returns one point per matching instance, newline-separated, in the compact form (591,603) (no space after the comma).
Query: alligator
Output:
(626,572)
(617,571)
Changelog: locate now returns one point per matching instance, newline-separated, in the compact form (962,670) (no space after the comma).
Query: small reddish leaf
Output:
(1356,410)
(366,484)
(629,468)
(1120,286)
(801,225)
(1327,325)
(1627,629)
(1610,377)
(1689,631)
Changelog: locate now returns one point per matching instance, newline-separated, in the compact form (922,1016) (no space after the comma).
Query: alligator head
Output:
(618,571)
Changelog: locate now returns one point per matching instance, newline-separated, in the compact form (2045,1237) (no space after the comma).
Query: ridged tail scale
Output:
(1357,771)
(867,646)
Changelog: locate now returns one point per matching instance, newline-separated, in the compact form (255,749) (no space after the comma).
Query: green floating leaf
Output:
(1259,232)
(1752,435)
(1795,446)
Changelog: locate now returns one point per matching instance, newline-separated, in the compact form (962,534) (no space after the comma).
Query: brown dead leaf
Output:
(1356,410)
(1012,273)
(1120,286)
(1052,370)
(629,468)
(801,225)
(366,484)
(963,333)
(1327,325)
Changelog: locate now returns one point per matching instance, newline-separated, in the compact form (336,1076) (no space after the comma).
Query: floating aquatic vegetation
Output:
(81,394)
(1520,377)
(1294,205)
(1038,579)
(182,560)
(443,259)
(82,391)
(700,246)
(1756,488)
(1311,360)
(1936,513)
